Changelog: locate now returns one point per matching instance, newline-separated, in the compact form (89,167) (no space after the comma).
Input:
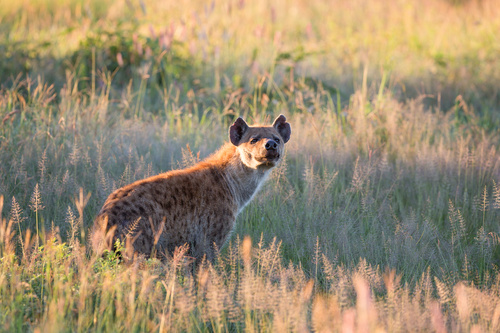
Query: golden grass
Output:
(58,288)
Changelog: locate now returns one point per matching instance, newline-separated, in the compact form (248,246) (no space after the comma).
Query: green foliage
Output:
(110,260)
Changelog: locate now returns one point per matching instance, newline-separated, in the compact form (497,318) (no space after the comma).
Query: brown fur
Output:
(195,206)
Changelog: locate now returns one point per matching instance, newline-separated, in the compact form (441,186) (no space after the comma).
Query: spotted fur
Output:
(195,206)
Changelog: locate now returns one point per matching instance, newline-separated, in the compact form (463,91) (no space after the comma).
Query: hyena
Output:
(196,206)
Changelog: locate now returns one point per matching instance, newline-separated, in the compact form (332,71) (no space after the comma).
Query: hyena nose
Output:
(271,145)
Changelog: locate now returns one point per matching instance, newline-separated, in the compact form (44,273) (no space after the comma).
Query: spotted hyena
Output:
(195,206)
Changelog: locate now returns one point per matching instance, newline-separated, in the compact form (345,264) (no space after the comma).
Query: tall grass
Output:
(383,216)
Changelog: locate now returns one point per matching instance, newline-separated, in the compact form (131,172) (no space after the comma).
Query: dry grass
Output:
(57,288)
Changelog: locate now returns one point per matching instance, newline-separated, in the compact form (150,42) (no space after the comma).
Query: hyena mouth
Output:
(270,158)
(273,157)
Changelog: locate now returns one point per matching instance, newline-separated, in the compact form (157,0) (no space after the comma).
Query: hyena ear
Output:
(237,130)
(283,127)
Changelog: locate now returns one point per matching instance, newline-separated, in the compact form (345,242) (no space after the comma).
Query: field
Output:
(383,217)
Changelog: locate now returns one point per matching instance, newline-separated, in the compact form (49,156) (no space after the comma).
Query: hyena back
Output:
(195,206)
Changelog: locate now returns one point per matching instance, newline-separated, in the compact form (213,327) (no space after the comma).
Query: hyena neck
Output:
(243,182)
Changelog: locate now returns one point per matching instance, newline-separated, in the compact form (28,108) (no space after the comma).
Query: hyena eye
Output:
(254,141)
(277,140)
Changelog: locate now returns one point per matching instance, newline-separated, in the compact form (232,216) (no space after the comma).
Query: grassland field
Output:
(384,216)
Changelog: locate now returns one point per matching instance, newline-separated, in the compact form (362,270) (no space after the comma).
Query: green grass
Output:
(384,214)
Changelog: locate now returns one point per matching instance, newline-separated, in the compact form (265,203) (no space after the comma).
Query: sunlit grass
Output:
(432,48)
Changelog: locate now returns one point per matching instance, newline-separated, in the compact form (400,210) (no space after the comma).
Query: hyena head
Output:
(260,146)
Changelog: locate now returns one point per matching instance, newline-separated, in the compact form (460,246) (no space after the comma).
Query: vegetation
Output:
(384,215)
